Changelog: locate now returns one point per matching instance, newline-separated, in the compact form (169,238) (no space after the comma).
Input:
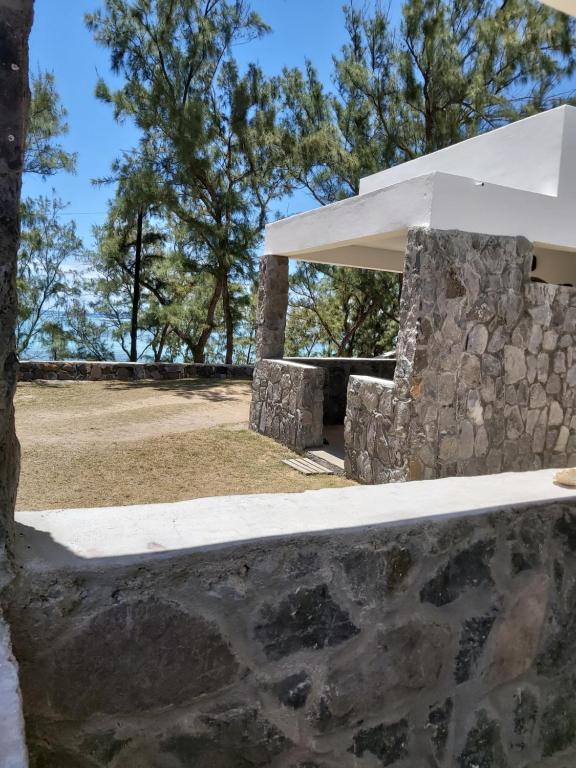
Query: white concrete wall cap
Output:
(526,155)
(76,537)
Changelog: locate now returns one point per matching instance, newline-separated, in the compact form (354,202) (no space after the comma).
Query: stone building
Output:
(485,377)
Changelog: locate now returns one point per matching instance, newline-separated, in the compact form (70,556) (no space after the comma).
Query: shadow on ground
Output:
(187,388)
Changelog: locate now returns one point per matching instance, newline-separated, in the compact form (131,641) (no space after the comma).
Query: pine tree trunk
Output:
(15,23)
(198,351)
(228,320)
(160,349)
(136,290)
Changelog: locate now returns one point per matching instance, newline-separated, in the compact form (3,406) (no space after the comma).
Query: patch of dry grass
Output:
(94,444)
(208,462)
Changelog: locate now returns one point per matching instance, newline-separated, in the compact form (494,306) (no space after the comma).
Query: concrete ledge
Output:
(388,383)
(291,362)
(75,536)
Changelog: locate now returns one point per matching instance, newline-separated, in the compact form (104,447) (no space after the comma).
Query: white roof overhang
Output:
(517,180)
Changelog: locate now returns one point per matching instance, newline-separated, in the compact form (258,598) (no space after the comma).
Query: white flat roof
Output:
(516,180)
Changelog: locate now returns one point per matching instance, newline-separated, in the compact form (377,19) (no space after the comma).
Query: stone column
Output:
(272,307)
(480,366)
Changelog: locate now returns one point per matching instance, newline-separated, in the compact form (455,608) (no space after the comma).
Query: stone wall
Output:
(446,641)
(486,374)
(337,372)
(287,403)
(85,370)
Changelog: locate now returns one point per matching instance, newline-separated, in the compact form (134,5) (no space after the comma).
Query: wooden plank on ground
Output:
(307,466)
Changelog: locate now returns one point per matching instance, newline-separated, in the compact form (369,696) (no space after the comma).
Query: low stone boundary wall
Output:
(82,370)
(420,624)
(337,372)
(287,402)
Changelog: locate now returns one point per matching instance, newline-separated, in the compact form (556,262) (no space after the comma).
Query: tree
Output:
(46,245)
(89,336)
(46,122)
(451,70)
(56,340)
(335,311)
(211,130)
(15,23)
(127,245)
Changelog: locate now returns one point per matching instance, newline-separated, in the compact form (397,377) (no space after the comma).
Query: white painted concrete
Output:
(13,753)
(517,180)
(525,155)
(77,536)
(566,6)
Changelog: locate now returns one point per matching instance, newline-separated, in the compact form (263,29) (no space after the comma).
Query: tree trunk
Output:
(198,350)
(160,348)
(229,320)
(136,290)
(15,23)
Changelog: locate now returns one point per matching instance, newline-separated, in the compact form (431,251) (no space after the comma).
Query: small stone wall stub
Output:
(272,307)
(87,370)
(337,373)
(448,642)
(287,403)
(485,379)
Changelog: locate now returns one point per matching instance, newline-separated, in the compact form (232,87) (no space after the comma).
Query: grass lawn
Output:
(87,444)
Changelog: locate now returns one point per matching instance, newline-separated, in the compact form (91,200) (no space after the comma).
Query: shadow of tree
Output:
(214,390)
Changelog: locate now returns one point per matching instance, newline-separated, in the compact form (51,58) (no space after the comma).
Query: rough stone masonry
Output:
(485,379)
(445,641)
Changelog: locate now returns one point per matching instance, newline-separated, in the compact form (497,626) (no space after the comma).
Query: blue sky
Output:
(61,43)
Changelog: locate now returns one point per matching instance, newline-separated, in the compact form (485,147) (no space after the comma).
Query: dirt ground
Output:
(115,443)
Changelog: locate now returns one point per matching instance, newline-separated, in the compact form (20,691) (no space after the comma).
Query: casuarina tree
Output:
(211,127)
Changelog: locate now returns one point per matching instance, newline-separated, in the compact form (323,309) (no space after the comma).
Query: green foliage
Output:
(89,335)
(342,312)
(453,69)
(46,123)
(128,246)
(209,130)
(56,340)
(46,245)
(175,261)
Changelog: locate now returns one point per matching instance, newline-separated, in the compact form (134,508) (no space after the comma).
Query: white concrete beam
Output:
(358,256)
(383,212)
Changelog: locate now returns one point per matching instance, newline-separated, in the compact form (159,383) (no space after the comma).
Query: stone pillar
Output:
(272,307)
(485,377)
(463,299)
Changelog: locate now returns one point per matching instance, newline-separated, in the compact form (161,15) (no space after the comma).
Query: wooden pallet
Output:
(307,466)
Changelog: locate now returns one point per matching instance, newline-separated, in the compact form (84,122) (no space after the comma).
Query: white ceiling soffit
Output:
(566,6)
